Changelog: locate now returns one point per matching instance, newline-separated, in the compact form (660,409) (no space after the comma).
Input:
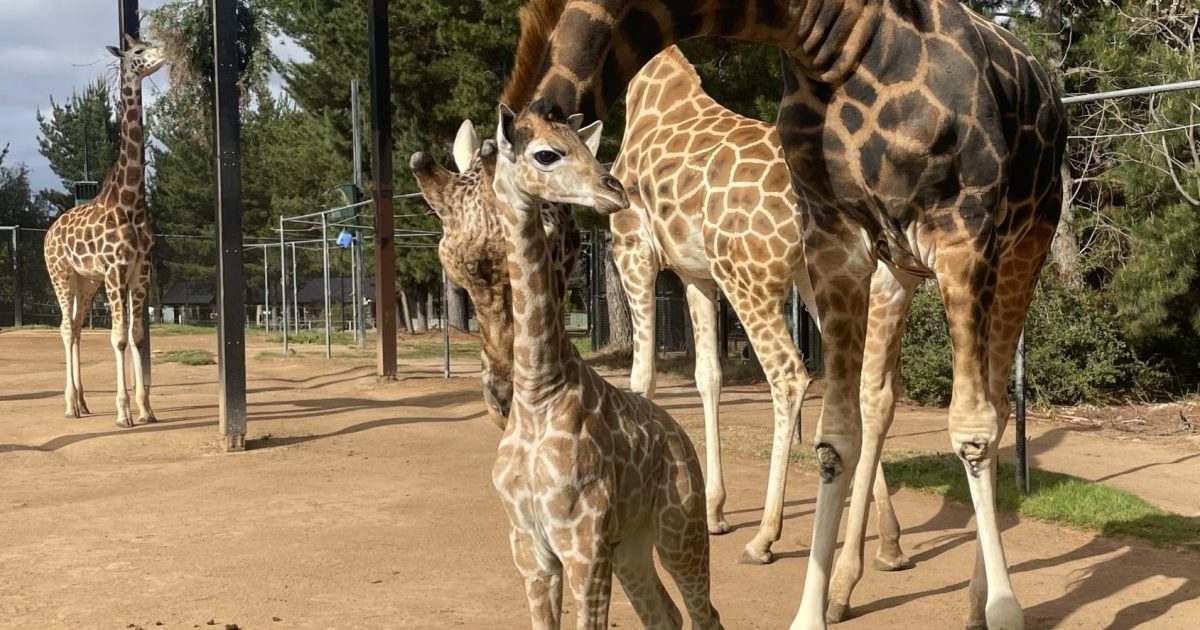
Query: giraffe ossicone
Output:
(594,479)
(108,241)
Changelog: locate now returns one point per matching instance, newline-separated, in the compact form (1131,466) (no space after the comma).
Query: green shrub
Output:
(1075,349)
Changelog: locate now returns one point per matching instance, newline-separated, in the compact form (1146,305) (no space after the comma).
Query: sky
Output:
(54,47)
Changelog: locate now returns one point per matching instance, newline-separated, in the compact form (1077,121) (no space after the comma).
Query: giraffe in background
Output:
(918,134)
(740,235)
(107,241)
(472,251)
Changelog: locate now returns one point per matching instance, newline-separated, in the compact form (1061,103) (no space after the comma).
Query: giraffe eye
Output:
(546,157)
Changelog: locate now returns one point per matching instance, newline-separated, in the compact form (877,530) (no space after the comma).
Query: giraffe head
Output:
(139,59)
(472,252)
(547,156)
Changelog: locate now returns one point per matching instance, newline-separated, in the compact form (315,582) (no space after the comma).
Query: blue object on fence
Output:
(344,239)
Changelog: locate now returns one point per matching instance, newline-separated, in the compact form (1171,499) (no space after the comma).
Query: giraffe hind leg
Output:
(891,296)
(64,289)
(633,564)
(702,306)
(85,291)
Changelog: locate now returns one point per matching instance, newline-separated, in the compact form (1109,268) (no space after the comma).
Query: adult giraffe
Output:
(108,241)
(675,134)
(917,133)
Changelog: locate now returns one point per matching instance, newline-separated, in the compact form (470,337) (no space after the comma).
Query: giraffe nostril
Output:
(612,183)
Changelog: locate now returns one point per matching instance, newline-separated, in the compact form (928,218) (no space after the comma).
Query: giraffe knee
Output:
(829,462)
(973,453)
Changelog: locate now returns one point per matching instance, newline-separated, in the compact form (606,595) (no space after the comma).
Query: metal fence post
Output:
(325,275)
(16,273)
(283,288)
(1019,394)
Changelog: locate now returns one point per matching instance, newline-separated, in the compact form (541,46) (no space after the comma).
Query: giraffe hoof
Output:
(719,528)
(71,415)
(125,423)
(903,563)
(83,409)
(750,556)
(976,626)
(837,612)
(150,419)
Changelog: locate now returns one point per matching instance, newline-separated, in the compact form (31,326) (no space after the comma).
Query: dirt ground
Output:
(370,506)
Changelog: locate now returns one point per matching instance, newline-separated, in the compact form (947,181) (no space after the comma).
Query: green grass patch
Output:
(28,327)
(435,350)
(582,344)
(186,357)
(1053,498)
(305,337)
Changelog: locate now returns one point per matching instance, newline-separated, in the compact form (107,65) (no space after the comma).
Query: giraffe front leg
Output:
(891,296)
(702,304)
(137,331)
(118,303)
(967,278)
(589,576)
(586,553)
(542,574)
(633,562)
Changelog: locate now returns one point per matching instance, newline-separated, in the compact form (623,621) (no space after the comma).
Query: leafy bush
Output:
(1075,349)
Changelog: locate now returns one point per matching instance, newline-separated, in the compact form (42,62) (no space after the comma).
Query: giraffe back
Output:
(707,186)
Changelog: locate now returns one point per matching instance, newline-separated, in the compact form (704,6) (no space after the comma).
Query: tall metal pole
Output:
(381,189)
(231,323)
(295,291)
(283,305)
(1019,394)
(266,292)
(130,25)
(360,273)
(445,322)
(325,275)
(16,273)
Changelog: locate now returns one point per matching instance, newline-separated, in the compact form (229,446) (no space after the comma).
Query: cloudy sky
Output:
(52,47)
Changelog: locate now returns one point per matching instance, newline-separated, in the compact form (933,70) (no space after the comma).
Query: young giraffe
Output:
(675,134)
(108,240)
(472,251)
(594,479)
(918,134)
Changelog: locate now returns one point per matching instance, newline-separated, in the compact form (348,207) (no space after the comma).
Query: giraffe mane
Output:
(538,19)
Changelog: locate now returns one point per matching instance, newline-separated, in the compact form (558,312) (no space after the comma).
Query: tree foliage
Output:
(80,138)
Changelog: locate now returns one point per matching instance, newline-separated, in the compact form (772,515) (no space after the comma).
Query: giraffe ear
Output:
(575,121)
(504,132)
(116,52)
(466,143)
(591,136)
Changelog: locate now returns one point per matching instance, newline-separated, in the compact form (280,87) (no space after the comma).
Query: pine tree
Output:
(80,138)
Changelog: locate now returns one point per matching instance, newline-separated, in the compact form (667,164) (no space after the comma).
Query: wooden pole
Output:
(381,188)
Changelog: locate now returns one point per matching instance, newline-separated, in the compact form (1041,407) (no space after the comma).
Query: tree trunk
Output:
(430,296)
(406,319)
(620,324)
(1064,251)
(417,311)
(456,306)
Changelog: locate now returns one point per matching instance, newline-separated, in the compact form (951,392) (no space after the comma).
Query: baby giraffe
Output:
(593,478)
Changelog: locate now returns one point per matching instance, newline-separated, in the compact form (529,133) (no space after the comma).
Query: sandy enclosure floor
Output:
(370,506)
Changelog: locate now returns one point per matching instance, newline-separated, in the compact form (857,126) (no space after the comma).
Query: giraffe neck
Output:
(540,345)
(125,189)
(592,58)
